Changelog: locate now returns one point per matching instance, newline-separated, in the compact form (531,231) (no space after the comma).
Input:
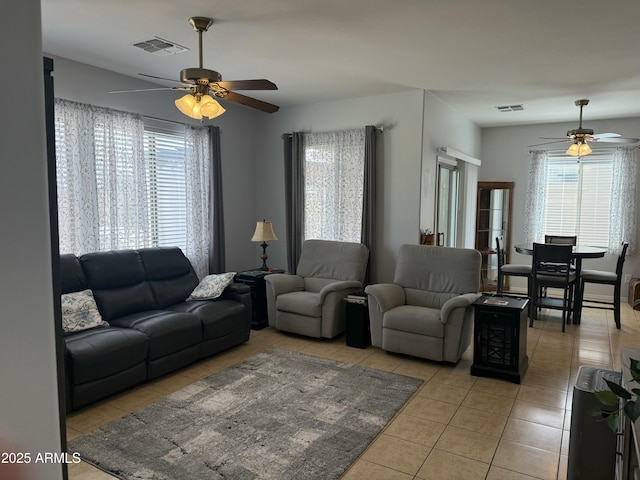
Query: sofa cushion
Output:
(218,318)
(169,274)
(80,312)
(118,281)
(168,331)
(212,286)
(99,353)
(414,319)
(303,303)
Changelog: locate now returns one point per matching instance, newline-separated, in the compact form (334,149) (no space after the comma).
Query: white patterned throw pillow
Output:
(80,312)
(212,286)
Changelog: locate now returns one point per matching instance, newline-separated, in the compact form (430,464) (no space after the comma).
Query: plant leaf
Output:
(632,409)
(618,390)
(634,368)
(607,397)
(613,421)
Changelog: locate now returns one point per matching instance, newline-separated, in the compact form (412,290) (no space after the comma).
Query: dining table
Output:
(578,253)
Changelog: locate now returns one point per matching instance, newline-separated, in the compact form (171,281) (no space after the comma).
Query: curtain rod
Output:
(380,129)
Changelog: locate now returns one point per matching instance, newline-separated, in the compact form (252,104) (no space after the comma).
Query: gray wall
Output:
(29,410)
(415,124)
(87,84)
(506,158)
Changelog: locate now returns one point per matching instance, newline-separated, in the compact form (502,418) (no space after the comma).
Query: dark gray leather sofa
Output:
(152,329)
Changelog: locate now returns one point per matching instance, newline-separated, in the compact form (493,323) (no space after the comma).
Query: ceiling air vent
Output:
(160,46)
(511,108)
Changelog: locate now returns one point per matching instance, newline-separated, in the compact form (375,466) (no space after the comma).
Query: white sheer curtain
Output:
(102,190)
(536,200)
(623,198)
(103,195)
(198,171)
(334,178)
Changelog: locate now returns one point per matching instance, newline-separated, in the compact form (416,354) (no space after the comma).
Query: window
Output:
(164,154)
(125,182)
(579,197)
(333,185)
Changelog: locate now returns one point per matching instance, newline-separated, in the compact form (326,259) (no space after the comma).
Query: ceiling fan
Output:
(580,136)
(204,84)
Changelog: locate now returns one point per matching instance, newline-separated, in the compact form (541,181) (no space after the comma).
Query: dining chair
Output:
(561,239)
(552,268)
(606,278)
(511,269)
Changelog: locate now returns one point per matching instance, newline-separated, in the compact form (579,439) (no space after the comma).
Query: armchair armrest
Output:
(339,286)
(283,283)
(386,295)
(461,301)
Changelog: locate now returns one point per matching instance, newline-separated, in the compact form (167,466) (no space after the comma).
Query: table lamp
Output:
(264,233)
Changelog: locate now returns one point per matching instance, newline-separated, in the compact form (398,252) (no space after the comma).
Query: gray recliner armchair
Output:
(427,311)
(311,301)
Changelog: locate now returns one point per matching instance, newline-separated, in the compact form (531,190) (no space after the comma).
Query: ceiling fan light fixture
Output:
(579,149)
(187,105)
(195,106)
(210,108)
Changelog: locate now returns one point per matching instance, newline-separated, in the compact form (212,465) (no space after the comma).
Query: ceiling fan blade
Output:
(559,139)
(605,135)
(144,90)
(617,140)
(160,78)
(251,102)
(546,143)
(261,84)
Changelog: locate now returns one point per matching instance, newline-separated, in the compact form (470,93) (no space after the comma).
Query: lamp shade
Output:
(264,232)
(579,149)
(195,106)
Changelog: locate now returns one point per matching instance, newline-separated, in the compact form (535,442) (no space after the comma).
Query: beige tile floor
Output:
(456,426)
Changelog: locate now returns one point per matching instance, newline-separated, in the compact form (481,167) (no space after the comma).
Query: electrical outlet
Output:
(627,278)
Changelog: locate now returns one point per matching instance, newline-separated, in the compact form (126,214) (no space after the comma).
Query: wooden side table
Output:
(255,280)
(500,337)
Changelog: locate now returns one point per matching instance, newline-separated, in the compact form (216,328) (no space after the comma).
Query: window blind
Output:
(165,171)
(579,197)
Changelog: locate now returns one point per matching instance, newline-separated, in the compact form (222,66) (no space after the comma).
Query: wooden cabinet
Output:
(493,219)
(500,338)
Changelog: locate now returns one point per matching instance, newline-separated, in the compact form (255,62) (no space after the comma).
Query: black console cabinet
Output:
(500,338)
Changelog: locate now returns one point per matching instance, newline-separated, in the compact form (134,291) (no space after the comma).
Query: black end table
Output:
(358,329)
(500,337)
(255,280)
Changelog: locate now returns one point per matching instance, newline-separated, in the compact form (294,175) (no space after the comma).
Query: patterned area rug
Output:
(277,415)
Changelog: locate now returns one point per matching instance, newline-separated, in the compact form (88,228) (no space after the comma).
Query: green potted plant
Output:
(611,399)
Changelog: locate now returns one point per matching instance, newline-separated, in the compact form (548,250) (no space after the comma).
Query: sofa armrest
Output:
(235,291)
(461,301)
(283,283)
(386,295)
(343,285)
(241,293)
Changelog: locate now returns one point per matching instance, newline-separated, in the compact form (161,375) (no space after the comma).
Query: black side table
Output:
(358,329)
(255,280)
(500,338)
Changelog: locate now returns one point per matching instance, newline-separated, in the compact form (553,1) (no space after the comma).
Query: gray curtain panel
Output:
(216,213)
(294,193)
(367,235)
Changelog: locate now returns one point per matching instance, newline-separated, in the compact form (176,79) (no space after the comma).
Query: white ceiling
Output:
(474,55)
